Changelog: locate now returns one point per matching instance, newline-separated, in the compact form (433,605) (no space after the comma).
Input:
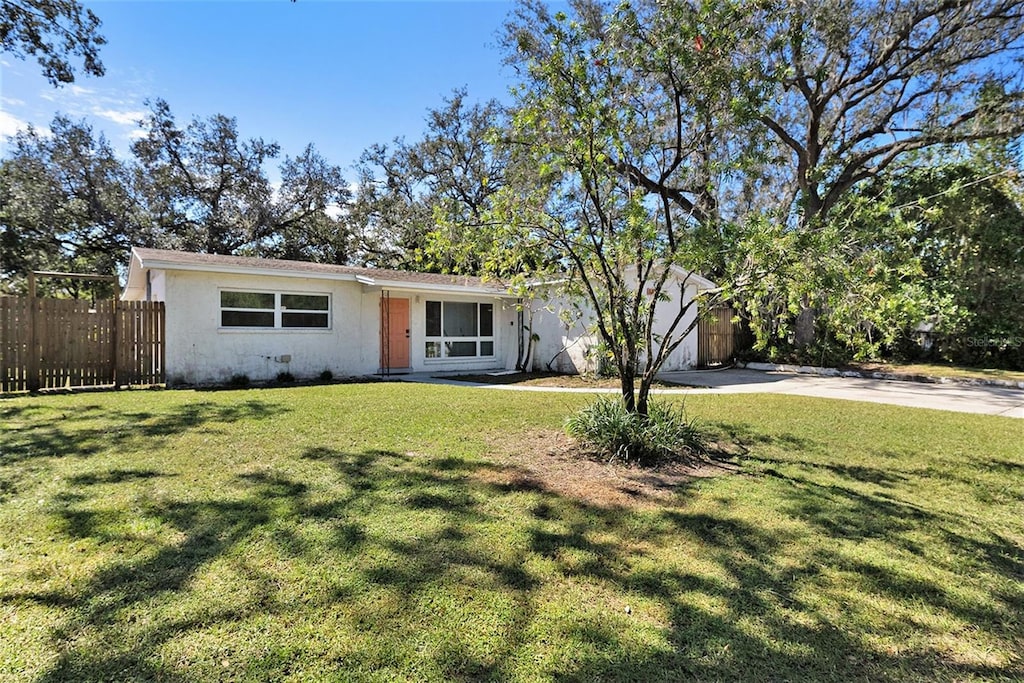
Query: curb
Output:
(891,376)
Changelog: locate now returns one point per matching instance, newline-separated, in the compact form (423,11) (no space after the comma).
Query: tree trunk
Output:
(643,395)
(628,395)
(806,320)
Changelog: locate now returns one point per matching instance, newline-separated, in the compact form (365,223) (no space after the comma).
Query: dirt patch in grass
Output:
(547,379)
(549,460)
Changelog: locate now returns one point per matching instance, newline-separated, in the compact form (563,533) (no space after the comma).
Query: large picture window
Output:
(274,310)
(458,329)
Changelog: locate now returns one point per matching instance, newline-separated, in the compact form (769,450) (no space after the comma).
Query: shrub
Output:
(326,376)
(607,428)
(285,377)
(239,381)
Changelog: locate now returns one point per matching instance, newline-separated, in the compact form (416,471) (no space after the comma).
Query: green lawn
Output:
(938,370)
(361,532)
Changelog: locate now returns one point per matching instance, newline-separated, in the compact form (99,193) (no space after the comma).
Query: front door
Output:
(394,333)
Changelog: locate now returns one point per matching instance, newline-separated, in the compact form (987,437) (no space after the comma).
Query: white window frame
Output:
(278,310)
(442,340)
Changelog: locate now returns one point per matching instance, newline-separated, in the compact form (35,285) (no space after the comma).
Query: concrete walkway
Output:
(986,400)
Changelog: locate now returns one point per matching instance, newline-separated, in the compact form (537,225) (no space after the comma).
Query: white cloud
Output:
(136,134)
(12,102)
(114,111)
(122,118)
(10,124)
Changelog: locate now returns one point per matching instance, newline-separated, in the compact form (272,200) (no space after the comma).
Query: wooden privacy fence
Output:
(716,337)
(72,343)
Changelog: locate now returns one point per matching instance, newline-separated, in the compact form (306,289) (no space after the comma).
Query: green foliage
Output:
(420,205)
(54,32)
(606,427)
(860,90)
(306,213)
(285,377)
(326,376)
(928,253)
(617,148)
(205,183)
(968,215)
(858,298)
(860,86)
(69,203)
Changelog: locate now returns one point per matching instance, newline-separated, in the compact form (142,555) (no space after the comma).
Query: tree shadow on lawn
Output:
(417,567)
(86,430)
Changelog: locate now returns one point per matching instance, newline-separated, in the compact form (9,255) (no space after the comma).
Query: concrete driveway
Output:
(988,400)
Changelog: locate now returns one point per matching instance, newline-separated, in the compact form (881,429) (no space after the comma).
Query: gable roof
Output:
(143,259)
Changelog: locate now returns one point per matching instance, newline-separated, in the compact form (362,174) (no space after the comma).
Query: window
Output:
(458,329)
(304,310)
(246,309)
(274,310)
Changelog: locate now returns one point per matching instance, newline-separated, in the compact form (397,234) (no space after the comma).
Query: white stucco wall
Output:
(200,351)
(561,342)
(157,286)
(568,347)
(685,355)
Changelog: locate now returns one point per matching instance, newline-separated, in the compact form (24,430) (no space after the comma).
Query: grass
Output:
(357,532)
(939,370)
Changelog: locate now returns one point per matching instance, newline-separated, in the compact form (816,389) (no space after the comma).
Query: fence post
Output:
(32,381)
(114,350)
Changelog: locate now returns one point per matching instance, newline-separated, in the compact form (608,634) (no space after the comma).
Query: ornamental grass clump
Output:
(606,428)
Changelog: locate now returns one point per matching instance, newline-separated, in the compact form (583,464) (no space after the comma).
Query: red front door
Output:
(394,333)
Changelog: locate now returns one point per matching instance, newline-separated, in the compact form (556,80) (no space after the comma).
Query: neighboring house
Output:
(234,315)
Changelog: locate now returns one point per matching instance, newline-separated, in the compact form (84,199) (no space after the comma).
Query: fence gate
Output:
(716,339)
(58,343)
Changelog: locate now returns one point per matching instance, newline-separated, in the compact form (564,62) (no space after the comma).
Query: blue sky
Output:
(342,75)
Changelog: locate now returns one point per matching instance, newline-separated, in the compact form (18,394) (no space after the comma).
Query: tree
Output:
(968,216)
(206,187)
(619,116)
(68,203)
(54,32)
(388,213)
(860,85)
(857,88)
(309,212)
(420,205)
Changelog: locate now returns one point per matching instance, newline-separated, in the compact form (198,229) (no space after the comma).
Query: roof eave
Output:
(134,286)
(158,264)
(161,264)
(428,287)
